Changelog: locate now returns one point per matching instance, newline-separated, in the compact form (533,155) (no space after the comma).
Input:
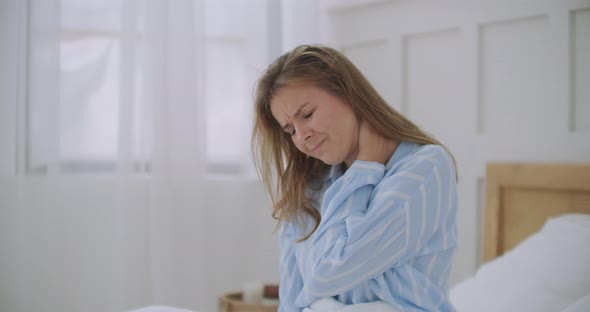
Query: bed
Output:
(536,241)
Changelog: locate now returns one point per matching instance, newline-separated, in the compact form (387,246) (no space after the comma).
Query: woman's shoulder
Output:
(422,159)
(430,152)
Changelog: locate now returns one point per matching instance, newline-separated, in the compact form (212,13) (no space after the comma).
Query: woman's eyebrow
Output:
(297,113)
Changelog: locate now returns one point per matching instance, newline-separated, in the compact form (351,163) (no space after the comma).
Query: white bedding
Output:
(331,305)
(549,271)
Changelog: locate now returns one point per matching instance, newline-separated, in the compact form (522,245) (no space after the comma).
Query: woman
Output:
(365,201)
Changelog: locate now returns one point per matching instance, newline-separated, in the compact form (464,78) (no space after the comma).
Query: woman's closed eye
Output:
(291,131)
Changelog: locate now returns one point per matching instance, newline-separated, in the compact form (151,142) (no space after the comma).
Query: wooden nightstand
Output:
(232,302)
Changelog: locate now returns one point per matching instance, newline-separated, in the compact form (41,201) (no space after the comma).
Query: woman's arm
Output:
(368,229)
(290,283)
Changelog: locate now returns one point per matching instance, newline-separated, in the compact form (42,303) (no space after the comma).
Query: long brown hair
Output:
(287,173)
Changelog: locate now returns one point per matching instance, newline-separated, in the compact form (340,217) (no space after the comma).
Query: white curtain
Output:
(99,72)
(110,157)
(106,203)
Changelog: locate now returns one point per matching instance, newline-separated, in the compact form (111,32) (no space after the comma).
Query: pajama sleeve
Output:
(290,281)
(372,222)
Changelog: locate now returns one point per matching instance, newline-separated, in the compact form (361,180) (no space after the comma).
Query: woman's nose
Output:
(303,133)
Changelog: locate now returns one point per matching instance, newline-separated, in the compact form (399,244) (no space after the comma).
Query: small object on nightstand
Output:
(253,292)
(270,295)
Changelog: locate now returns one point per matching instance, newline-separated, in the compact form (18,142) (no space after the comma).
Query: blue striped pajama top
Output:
(388,232)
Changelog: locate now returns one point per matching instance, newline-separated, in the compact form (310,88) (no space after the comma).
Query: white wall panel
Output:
(518,73)
(10,261)
(9,245)
(9,77)
(480,219)
(434,81)
(581,70)
(300,23)
(375,61)
(375,20)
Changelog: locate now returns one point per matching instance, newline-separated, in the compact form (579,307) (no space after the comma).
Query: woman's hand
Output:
(373,146)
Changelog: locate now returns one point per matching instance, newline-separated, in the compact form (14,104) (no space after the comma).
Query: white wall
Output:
(9,227)
(494,80)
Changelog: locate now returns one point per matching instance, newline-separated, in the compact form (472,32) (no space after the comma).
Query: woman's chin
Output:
(331,161)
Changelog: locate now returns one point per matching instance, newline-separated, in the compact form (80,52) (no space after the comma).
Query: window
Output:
(237,52)
(88,110)
(85,109)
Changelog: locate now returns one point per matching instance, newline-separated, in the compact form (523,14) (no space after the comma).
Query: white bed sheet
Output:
(331,305)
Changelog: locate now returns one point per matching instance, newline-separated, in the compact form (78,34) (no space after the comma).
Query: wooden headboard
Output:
(520,197)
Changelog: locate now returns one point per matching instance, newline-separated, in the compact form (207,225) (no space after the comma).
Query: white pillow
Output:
(546,272)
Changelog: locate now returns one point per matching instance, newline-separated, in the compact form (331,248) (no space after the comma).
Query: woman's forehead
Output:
(290,98)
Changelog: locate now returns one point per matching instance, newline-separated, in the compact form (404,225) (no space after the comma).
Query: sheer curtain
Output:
(92,67)
(99,71)
(121,114)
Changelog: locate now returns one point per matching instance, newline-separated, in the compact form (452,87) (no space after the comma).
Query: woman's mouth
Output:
(317,147)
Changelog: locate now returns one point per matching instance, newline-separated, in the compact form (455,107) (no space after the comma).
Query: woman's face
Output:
(321,125)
